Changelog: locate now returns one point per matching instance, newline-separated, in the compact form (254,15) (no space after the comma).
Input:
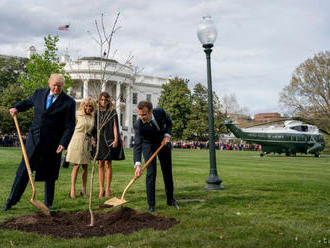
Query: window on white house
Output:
(135,98)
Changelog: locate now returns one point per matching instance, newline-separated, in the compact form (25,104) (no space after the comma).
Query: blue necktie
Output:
(49,101)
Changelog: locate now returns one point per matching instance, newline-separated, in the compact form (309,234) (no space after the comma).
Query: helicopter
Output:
(294,137)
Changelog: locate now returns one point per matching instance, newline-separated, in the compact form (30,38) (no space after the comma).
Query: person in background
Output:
(50,133)
(78,151)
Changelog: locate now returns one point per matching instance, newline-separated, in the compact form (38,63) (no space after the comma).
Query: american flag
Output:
(64,27)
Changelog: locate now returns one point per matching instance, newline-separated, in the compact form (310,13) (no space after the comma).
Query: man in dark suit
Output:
(51,130)
(152,127)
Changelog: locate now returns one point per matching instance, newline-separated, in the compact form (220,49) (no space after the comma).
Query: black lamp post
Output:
(207,34)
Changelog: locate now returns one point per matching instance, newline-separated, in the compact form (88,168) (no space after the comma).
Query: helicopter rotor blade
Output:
(296,118)
(266,123)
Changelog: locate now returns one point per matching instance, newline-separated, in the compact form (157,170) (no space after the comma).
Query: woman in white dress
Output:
(78,151)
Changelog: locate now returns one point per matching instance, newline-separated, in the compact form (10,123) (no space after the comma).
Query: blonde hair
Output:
(56,76)
(87,101)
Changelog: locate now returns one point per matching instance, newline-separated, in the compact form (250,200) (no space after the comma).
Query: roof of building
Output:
(99,59)
(264,114)
(9,57)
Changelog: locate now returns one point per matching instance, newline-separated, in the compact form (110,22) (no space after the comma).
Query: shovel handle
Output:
(145,166)
(153,156)
(26,158)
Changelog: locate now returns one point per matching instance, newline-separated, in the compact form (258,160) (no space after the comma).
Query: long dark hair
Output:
(107,96)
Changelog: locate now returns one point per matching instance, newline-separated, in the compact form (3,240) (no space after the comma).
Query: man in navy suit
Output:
(51,130)
(152,127)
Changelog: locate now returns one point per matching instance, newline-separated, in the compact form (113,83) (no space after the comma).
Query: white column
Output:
(85,88)
(103,86)
(118,101)
(129,119)
(128,122)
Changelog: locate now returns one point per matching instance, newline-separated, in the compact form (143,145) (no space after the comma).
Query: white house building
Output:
(125,87)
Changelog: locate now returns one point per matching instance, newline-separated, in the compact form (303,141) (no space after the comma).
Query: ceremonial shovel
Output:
(38,204)
(113,202)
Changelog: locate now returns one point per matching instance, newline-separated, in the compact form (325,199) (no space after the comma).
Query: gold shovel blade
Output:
(40,206)
(115,202)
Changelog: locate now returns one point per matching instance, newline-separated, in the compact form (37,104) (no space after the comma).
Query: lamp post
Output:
(207,34)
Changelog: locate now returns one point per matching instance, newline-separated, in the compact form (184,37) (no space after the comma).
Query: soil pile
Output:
(76,224)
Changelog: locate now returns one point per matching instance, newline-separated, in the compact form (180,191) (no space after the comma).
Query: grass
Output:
(274,201)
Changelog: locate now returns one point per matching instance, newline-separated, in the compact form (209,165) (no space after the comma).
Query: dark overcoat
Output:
(50,128)
(146,135)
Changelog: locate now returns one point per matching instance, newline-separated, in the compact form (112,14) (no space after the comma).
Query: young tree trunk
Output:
(93,169)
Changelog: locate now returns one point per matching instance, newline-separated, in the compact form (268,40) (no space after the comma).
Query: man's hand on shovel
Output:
(138,170)
(13,111)
(167,138)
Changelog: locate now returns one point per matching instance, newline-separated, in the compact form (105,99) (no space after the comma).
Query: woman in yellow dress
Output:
(78,151)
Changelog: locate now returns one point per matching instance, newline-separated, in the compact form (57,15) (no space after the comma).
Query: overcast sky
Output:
(259,43)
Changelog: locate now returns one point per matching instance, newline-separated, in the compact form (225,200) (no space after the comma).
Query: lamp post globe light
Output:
(207,34)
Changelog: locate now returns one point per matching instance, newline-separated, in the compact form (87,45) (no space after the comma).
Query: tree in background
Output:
(219,116)
(41,66)
(197,127)
(308,93)
(10,70)
(10,91)
(176,100)
(12,94)
(230,105)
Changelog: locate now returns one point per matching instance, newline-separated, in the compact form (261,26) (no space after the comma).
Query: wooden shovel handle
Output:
(145,166)
(26,158)
(152,157)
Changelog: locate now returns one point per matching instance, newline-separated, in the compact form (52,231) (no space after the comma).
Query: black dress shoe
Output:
(6,207)
(152,209)
(173,203)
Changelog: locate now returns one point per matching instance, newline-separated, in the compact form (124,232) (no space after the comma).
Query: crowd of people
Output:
(10,140)
(218,145)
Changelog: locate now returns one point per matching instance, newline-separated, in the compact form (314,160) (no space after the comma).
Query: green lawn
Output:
(274,201)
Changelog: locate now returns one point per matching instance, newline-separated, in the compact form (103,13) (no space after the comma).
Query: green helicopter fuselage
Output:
(291,139)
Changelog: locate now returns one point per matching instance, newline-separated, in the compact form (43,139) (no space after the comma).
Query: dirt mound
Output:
(76,224)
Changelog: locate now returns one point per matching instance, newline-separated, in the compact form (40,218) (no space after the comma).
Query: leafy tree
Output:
(176,100)
(197,127)
(10,70)
(219,116)
(230,105)
(11,95)
(41,66)
(308,94)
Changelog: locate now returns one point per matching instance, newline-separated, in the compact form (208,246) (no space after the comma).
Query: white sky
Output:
(259,43)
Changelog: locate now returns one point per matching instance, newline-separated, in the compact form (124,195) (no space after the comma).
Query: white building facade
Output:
(92,75)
